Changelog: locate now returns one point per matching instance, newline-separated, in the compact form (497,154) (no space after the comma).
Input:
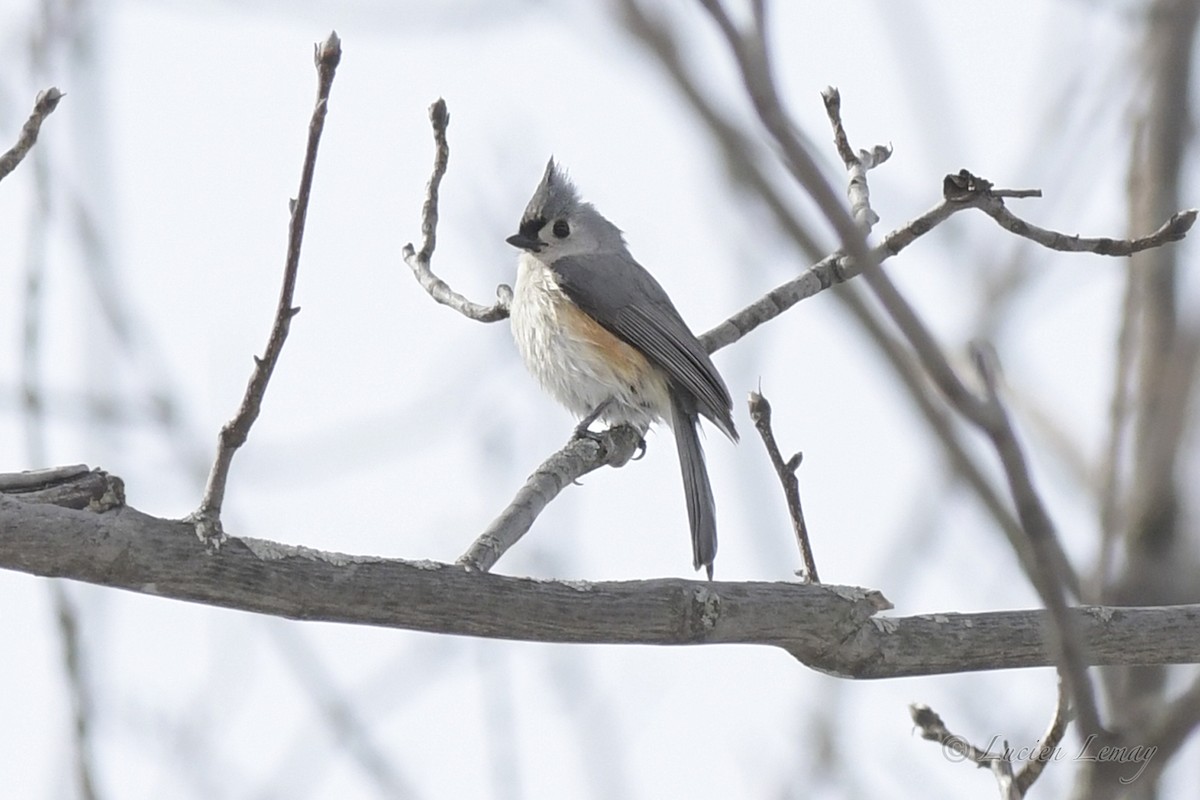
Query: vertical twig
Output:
(81,703)
(760,412)
(419,262)
(1048,744)
(207,518)
(33,413)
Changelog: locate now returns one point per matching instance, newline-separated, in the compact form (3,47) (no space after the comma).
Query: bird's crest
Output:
(554,197)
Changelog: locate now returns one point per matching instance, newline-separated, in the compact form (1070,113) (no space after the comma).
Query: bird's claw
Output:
(584,432)
(641,449)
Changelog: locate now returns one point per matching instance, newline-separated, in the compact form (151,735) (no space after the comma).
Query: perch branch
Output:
(835,629)
(577,458)
(207,518)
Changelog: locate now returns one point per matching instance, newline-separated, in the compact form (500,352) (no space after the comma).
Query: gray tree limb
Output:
(94,537)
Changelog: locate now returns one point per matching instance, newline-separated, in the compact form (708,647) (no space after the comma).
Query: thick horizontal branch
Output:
(833,629)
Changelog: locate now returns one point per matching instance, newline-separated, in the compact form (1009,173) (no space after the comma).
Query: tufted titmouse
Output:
(603,338)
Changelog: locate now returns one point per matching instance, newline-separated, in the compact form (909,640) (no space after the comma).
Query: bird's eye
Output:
(561,229)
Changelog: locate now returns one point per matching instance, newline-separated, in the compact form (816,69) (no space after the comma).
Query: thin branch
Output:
(936,414)
(1012,786)
(753,57)
(1042,556)
(343,718)
(957,748)
(1049,742)
(419,262)
(960,194)
(736,147)
(1112,485)
(1052,570)
(1179,719)
(207,519)
(43,106)
(439,117)
(1040,553)
(577,458)
(760,413)
(986,414)
(857,164)
(1173,230)
(81,703)
(834,268)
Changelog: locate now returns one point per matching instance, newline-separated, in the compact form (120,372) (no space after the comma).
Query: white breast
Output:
(567,366)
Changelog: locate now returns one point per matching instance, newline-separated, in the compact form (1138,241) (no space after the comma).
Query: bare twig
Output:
(964,187)
(830,270)
(34,423)
(418,262)
(1178,720)
(43,106)
(1043,559)
(577,458)
(1112,488)
(1173,230)
(760,413)
(753,58)
(81,703)
(207,518)
(857,164)
(1041,554)
(960,193)
(957,748)
(1049,742)
(737,148)
(355,736)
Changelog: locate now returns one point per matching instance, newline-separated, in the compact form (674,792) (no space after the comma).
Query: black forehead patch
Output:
(530,227)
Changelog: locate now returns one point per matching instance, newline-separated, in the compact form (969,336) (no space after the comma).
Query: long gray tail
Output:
(702,514)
